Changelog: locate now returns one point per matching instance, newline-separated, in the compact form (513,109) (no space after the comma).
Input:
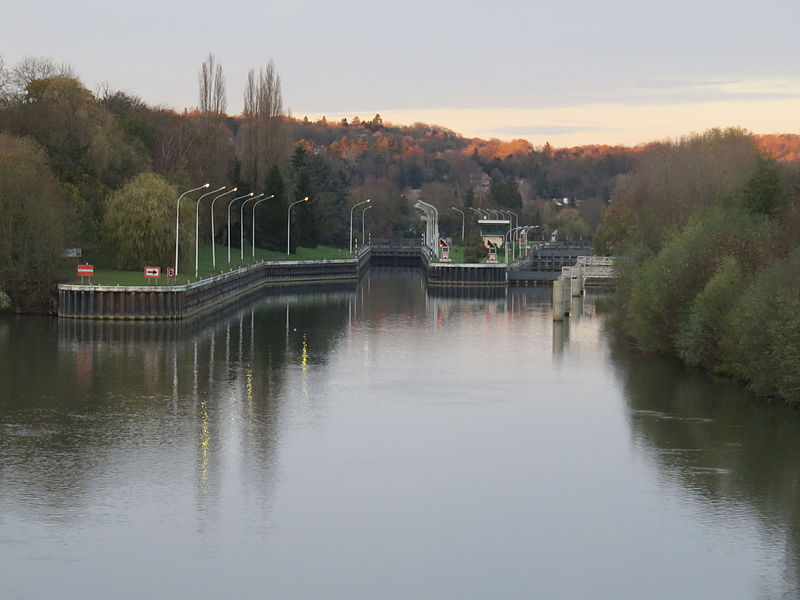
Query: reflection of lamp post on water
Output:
(289,224)
(177,220)
(197,230)
(352,208)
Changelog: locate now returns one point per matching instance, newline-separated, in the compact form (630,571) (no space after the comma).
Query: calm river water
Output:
(383,442)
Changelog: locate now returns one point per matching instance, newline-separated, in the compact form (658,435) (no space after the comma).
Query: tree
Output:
(138,228)
(86,147)
(32,217)
(214,148)
(271,214)
(212,88)
(262,137)
(31,68)
(6,85)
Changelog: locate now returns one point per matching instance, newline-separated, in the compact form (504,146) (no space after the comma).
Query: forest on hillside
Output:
(101,170)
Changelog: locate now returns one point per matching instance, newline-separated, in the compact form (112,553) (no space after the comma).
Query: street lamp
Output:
(514,224)
(253,236)
(508,235)
(435,232)
(476,211)
(197,230)
(462,221)
(213,245)
(367,201)
(241,224)
(177,220)
(289,224)
(362,224)
(229,220)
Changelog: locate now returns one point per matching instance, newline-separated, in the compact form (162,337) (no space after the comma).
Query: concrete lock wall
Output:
(178,302)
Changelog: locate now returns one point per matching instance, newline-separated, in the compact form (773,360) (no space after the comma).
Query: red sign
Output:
(171,272)
(152,272)
(85,270)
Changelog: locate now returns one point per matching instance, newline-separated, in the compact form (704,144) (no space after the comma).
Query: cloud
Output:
(682,84)
(527,130)
(676,91)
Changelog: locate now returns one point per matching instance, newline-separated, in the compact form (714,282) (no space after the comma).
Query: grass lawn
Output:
(457,256)
(104,276)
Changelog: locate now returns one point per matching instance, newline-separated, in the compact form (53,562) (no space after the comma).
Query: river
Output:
(384,441)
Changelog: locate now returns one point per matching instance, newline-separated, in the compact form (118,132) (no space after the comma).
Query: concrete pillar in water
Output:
(577,280)
(558,300)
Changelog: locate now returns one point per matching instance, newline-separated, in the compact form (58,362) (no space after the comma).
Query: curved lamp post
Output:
(177,220)
(462,221)
(213,245)
(352,208)
(241,224)
(253,236)
(435,232)
(197,230)
(363,212)
(229,221)
(476,211)
(289,224)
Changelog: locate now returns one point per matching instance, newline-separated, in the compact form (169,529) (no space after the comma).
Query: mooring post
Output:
(558,300)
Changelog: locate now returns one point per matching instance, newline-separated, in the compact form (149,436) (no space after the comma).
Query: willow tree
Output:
(139,224)
(263,137)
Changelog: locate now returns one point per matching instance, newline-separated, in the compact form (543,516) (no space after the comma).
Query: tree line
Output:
(707,229)
(107,169)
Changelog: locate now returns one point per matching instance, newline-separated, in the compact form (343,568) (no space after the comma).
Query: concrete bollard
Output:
(558,300)
(577,281)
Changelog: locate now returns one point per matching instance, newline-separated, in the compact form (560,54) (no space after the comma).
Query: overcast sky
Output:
(619,71)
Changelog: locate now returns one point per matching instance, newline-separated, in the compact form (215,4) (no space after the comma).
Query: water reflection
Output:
(733,454)
(80,398)
(405,438)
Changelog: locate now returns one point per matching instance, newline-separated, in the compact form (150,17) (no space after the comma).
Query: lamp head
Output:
(306,199)
(207,185)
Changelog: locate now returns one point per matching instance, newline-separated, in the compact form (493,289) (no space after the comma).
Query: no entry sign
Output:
(85,270)
(152,272)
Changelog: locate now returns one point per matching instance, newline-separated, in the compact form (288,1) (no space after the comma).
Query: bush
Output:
(767,318)
(705,333)
(139,225)
(32,223)
(662,289)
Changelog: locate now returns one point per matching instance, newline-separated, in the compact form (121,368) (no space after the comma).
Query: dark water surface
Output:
(383,442)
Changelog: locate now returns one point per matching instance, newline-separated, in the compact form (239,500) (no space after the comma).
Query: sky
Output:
(582,72)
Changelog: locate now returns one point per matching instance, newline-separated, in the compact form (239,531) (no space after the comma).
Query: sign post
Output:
(85,271)
(152,272)
(445,250)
